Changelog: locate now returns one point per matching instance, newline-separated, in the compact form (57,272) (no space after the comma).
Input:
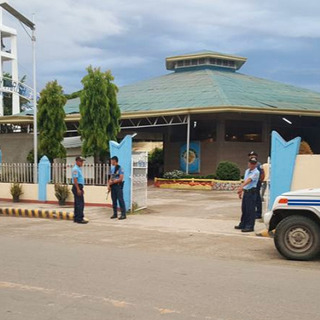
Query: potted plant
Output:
(16,191)
(62,192)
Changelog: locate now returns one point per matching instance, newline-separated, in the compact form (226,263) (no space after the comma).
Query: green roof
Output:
(213,88)
(210,88)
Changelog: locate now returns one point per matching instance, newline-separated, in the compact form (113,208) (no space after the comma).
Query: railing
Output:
(94,174)
(16,172)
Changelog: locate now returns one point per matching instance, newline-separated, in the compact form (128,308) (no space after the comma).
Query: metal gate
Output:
(139,181)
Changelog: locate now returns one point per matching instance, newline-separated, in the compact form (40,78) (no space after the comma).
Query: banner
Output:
(194,157)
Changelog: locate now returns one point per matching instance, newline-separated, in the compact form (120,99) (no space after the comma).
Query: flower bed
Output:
(197,184)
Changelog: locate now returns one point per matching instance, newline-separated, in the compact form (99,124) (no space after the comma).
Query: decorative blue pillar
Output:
(44,177)
(283,159)
(123,151)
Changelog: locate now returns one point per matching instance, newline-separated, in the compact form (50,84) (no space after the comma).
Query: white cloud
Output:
(121,34)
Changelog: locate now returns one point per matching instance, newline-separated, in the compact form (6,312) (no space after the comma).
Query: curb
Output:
(35,213)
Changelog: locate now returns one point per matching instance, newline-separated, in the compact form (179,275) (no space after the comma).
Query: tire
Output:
(298,238)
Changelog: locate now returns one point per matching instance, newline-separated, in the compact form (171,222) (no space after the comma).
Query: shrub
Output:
(61,192)
(228,171)
(175,174)
(16,191)
(211,176)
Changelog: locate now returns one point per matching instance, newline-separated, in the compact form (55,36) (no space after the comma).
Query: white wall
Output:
(30,191)
(306,172)
(93,194)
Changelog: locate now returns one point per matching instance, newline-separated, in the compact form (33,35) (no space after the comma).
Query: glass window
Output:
(202,61)
(180,63)
(243,131)
(194,62)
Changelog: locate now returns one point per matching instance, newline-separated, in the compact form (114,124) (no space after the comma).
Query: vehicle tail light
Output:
(283,201)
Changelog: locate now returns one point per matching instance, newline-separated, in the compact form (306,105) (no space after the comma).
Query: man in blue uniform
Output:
(78,192)
(116,183)
(253,154)
(248,193)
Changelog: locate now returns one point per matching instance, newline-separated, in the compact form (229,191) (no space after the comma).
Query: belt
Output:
(252,190)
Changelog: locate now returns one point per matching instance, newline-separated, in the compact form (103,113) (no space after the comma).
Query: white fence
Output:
(94,174)
(16,172)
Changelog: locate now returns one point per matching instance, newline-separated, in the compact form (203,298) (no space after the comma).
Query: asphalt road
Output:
(57,270)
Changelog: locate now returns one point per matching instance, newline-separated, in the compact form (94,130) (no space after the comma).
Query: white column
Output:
(15,76)
(1,68)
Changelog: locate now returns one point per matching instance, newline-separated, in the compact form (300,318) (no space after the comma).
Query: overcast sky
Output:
(280,38)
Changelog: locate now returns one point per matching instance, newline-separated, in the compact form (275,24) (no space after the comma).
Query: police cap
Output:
(253,160)
(79,158)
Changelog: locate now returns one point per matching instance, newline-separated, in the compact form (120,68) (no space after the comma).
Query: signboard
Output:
(194,157)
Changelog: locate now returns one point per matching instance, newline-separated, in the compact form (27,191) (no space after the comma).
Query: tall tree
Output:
(115,113)
(51,121)
(99,111)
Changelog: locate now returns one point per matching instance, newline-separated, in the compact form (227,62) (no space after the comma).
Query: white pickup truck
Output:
(295,217)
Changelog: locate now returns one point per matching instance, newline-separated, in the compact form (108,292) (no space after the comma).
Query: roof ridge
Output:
(215,83)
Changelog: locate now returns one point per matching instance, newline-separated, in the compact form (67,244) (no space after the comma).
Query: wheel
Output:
(298,238)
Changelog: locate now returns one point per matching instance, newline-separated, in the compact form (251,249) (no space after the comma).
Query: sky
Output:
(280,38)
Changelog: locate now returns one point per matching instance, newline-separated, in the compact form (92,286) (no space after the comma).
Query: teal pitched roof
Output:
(209,89)
(213,88)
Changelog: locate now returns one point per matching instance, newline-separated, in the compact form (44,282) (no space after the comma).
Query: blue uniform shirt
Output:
(254,176)
(116,174)
(77,173)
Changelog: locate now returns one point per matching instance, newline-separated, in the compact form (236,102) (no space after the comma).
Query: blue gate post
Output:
(283,160)
(123,151)
(43,178)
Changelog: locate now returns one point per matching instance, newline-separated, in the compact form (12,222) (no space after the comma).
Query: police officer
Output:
(248,193)
(116,183)
(253,154)
(78,192)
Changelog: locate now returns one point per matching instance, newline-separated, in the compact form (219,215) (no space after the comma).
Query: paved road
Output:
(148,270)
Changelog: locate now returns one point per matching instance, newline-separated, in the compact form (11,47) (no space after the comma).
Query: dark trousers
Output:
(117,197)
(248,207)
(78,203)
(258,202)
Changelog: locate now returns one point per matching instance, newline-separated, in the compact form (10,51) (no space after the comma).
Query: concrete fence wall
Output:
(94,195)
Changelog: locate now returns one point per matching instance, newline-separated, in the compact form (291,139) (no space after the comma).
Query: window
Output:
(225,63)
(219,62)
(180,63)
(243,131)
(202,61)
(187,62)
(212,61)
(194,62)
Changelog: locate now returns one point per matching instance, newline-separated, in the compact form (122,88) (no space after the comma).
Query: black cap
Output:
(253,160)
(79,158)
(252,153)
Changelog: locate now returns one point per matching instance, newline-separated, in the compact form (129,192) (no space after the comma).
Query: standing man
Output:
(248,193)
(253,154)
(116,183)
(78,192)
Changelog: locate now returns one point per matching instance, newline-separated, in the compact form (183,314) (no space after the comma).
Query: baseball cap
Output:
(79,158)
(253,160)
(252,153)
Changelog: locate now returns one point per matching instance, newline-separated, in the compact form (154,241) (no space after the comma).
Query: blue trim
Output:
(311,204)
(299,200)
